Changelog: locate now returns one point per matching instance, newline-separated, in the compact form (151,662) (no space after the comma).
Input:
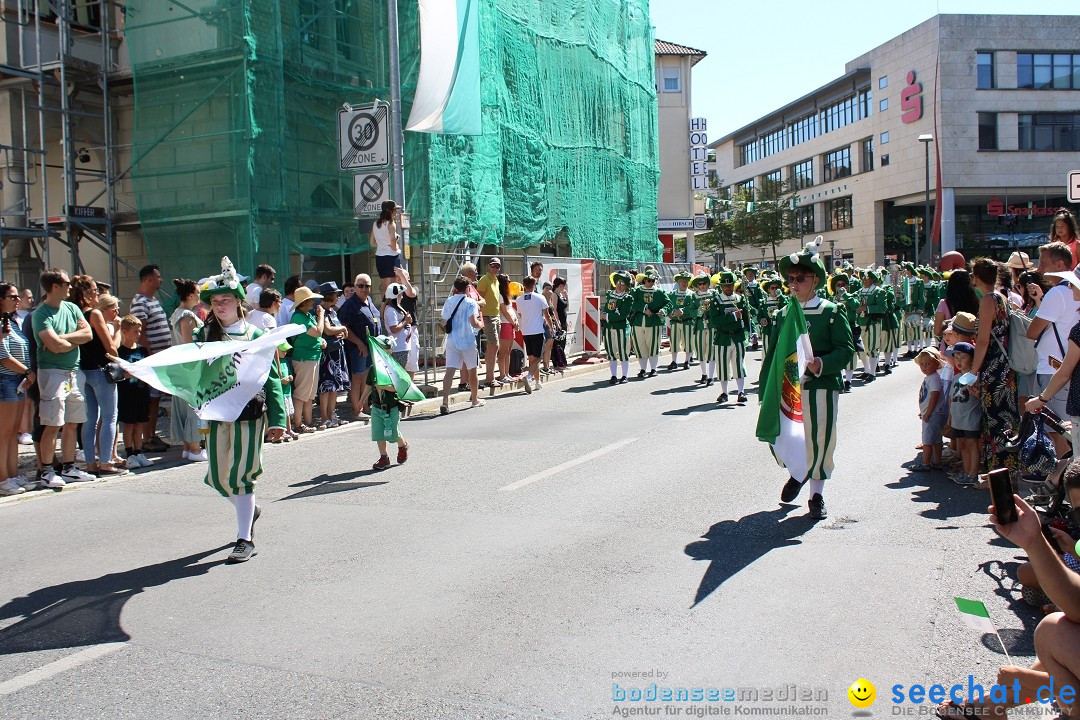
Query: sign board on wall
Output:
(675,224)
(364,136)
(1074,186)
(579,284)
(699,139)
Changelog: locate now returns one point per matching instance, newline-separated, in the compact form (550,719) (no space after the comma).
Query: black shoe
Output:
(686,365)
(755,347)
(847,386)
(888,370)
(869,379)
(641,375)
(703,380)
(723,398)
(673,366)
(709,382)
(892,364)
(613,380)
(791,490)
(258,512)
(622,379)
(741,399)
(651,373)
(817,507)
(243,551)
(463,387)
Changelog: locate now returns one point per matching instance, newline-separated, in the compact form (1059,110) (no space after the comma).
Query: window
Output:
(837,164)
(773,178)
(1048,131)
(885,160)
(838,214)
(1048,71)
(984,70)
(804,220)
(883,82)
(802,174)
(885,138)
(672,79)
(746,186)
(867,148)
(988,131)
(883,105)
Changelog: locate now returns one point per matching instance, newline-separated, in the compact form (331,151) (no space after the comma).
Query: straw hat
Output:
(964,323)
(1019,261)
(304,294)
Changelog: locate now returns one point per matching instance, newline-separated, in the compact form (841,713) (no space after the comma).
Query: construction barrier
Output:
(591,326)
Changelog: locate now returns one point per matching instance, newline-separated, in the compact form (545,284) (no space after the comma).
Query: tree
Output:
(722,236)
(767,217)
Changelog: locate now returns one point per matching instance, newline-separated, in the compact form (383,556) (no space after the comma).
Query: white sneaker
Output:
(11,487)
(47,478)
(80,456)
(133,462)
(25,482)
(25,439)
(538,385)
(73,474)
(196,457)
(528,386)
(144,461)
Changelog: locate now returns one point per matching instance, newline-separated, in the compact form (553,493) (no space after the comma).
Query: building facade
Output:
(982,110)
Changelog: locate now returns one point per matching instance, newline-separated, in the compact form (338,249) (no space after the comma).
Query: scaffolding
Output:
(59,76)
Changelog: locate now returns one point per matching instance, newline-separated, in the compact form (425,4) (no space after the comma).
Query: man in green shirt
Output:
(832,347)
(59,330)
(681,320)
(647,320)
(613,320)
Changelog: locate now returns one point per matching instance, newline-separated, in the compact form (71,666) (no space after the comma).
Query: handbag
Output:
(255,408)
(113,373)
(1038,457)
(449,326)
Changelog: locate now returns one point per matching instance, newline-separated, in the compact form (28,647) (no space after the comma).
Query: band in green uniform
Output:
(646,322)
(703,297)
(911,292)
(614,316)
(774,300)
(729,319)
(874,304)
(751,290)
(890,327)
(838,293)
(681,313)
(830,340)
(234,448)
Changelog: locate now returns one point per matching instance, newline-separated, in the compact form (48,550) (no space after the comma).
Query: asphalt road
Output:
(528,556)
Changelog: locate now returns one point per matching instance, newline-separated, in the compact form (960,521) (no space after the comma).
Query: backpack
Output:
(517,362)
(1022,355)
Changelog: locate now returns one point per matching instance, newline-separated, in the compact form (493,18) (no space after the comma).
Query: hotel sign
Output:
(699,139)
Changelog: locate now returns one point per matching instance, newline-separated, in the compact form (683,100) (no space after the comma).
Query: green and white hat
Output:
(809,259)
(227,282)
(623,276)
(682,275)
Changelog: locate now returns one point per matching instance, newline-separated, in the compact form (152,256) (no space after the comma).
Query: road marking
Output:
(62,665)
(567,465)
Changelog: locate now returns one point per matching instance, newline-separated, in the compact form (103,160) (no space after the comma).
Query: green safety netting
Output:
(235,129)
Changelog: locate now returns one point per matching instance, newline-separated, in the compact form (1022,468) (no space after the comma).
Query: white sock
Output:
(723,386)
(704,369)
(741,383)
(848,375)
(712,368)
(866,364)
(815,486)
(873,366)
(643,363)
(245,514)
(625,367)
(654,362)
(612,365)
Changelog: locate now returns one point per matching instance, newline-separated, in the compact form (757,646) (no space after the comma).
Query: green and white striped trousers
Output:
(681,336)
(732,365)
(704,350)
(872,337)
(235,453)
(819,424)
(646,340)
(615,343)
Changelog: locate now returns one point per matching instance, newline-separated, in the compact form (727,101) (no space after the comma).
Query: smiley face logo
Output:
(862,693)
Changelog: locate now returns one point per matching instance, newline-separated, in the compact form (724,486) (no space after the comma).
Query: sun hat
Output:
(304,294)
(963,323)
(1069,276)
(931,352)
(329,288)
(1019,261)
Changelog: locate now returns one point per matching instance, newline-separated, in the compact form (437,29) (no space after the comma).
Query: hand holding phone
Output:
(1001,493)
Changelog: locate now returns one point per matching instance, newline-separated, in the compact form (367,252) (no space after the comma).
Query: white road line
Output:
(62,665)
(567,465)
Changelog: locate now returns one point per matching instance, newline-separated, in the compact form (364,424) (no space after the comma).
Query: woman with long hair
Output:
(383,239)
(14,376)
(99,394)
(507,328)
(185,323)
(959,297)
(1065,230)
(234,449)
(996,383)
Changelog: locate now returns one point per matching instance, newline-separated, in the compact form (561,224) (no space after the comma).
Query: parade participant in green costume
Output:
(234,449)
(704,296)
(838,293)
(646,321)
(890,325)
(755,295)
(933,293)
(613,323)
(681,320)
(729,318)
(830,341)
(911,298)
(774,300)
(875,304)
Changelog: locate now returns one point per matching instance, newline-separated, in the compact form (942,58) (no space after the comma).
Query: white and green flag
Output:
(780,419)
(217,379)
(447,98)
(975,615)
(389,373)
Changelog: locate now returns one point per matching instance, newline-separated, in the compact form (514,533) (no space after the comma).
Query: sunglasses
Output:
(362,286)
(795,279)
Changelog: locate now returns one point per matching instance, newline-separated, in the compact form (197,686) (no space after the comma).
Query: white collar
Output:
(237,328)
(812,303)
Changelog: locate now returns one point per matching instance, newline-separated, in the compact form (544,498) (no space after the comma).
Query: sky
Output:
(764,54)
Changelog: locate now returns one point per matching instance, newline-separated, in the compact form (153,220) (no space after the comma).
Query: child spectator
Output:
(133,399)
(285,373)
(933,409)
(386,410)
(965,413)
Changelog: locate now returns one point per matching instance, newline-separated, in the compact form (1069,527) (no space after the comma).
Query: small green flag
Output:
(389,373)
(974,613)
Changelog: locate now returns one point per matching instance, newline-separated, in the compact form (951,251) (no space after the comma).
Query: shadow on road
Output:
(950,499)
(599,385)
(326,484)
(1018,641)
(87,612)
(733,545)
(679,389)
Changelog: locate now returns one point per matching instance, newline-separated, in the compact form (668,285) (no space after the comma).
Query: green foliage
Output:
(766,218)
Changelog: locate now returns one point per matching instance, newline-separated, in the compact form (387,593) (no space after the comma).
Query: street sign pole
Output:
(397,139)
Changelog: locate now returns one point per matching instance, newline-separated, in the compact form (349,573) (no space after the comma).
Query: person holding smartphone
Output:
(383,239)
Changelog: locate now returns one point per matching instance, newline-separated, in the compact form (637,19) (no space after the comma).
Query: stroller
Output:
(1041,470)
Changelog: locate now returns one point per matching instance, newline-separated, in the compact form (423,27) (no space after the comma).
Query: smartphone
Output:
(1001,494)
(1053,361)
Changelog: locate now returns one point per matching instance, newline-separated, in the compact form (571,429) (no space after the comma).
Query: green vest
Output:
(617,308)
(684,301)
(830,339)
(704,303)
(655,300)
(729,318)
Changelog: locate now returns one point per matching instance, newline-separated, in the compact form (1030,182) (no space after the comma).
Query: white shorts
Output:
(413,363)
(456,358)
(61,397)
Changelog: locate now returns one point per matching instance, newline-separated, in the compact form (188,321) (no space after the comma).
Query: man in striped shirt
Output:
(155,336)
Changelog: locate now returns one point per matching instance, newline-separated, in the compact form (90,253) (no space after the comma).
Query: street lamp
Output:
(925,139)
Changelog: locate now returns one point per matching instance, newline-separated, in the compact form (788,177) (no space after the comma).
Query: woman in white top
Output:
(184,323)
(384,241)
(397,323)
